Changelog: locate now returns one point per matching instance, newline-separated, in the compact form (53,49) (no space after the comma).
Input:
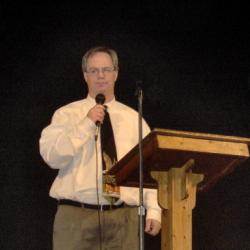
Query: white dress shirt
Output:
(68,144)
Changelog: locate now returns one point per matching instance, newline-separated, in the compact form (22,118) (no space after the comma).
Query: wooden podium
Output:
(179,164)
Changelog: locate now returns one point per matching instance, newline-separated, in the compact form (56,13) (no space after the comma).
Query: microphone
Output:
(138,87)
(99,99)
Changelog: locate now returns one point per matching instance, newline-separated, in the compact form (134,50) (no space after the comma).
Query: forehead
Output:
(99,59)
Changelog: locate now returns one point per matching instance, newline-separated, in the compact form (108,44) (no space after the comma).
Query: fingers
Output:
(148,226)
(152,227)
(97,113)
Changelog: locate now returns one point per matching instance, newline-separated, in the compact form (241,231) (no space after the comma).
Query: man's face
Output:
(100,76)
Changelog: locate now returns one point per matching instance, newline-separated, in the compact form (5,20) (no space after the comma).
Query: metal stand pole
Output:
(141,207)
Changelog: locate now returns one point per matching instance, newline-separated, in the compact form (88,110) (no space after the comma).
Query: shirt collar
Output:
(109,104)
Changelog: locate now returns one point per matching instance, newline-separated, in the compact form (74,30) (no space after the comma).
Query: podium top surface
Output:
(197,135)
(214,156)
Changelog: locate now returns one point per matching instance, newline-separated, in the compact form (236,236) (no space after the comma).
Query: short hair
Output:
(112,53)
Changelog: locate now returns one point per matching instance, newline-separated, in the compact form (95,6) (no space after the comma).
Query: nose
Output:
(100,74)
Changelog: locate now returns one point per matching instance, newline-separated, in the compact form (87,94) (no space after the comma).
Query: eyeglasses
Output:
(96,71)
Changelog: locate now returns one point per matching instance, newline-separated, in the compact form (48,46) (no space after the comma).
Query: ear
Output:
(116,75)
(85,76)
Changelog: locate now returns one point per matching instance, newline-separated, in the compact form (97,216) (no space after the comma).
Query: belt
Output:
(90,206)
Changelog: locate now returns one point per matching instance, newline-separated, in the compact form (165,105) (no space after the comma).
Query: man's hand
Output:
(96,113)
(152,227)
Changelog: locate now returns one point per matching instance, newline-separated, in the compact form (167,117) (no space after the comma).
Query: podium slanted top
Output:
(214,155)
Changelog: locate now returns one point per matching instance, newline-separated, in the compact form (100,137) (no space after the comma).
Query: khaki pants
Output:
(78,229)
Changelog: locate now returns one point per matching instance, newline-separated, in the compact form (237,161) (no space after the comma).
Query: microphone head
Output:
(100,98)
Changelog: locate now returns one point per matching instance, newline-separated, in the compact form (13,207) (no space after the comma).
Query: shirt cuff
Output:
(153,214)
(86,127)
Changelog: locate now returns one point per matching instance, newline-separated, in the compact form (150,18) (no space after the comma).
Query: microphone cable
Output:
(100,99)
(97,188)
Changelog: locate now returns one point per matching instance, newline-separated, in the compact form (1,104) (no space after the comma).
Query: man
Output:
(85,219)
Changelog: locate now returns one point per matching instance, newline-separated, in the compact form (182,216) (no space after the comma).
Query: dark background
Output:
(193,60)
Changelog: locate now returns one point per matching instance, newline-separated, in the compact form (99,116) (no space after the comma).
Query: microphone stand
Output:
(141,207)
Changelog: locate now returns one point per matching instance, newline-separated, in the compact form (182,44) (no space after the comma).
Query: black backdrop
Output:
(193,61)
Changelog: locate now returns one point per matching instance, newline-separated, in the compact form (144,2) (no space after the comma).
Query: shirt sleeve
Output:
(64,138)
(151,204)
(150,195)
(130,195)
